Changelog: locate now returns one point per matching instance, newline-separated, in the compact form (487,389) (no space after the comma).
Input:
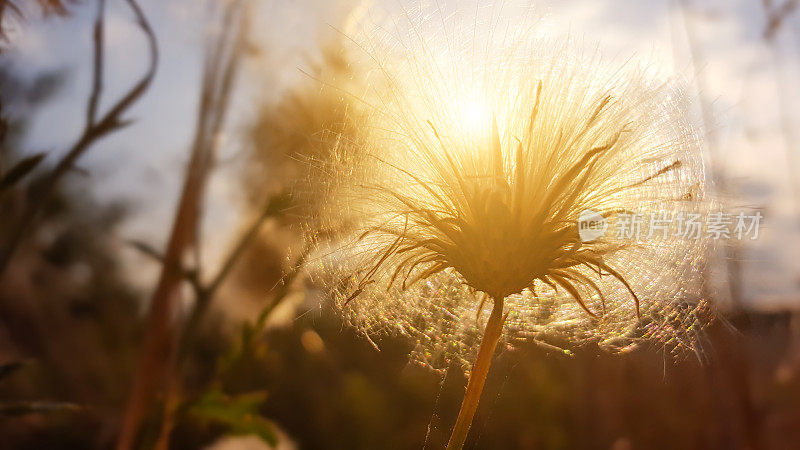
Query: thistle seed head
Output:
(474,171)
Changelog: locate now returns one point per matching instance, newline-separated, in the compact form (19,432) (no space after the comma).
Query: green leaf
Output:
(239,414)
(19,171)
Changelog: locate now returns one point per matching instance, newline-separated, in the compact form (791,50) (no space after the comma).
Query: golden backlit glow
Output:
(475,116)
(478,154)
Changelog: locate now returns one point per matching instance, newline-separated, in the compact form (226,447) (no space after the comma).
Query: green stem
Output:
(494,329)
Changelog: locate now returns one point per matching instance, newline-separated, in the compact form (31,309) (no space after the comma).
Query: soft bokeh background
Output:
(73,301)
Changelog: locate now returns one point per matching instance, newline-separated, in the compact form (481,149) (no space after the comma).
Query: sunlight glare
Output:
(475,116)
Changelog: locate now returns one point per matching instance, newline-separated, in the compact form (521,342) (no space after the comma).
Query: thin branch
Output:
(268,210)
(97,85)
(777,16)
(190,275)
(205,294)
(147,250)
(158,359)
(282,292)
(93,131)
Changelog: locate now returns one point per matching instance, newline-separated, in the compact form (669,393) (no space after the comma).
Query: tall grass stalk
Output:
(480,370)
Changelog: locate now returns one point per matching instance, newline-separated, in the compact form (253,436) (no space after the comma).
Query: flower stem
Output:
(494,328)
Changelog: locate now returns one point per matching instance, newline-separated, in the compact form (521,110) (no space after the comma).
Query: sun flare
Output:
(475,115)
(455,211)
(473,163)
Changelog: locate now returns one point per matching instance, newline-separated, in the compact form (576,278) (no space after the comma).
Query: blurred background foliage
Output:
(291,374)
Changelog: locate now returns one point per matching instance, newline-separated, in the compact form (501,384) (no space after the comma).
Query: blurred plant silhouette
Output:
(97,126)
(292,374)
(65,306)
(14,10)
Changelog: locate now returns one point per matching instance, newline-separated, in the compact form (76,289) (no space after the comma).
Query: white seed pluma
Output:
(456,206)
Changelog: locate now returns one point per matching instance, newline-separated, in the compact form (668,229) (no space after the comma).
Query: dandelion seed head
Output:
(479,152)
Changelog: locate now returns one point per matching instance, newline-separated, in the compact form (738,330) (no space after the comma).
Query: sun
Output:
(475,115)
